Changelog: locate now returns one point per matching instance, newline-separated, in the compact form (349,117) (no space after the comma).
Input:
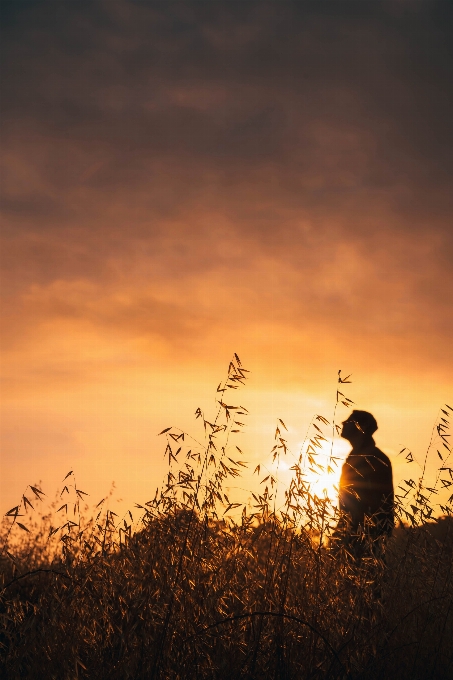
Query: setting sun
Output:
(324,485)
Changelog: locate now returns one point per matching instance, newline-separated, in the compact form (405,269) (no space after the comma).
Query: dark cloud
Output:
(153,146)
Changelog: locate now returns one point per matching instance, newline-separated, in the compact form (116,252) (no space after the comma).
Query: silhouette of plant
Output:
(199,585)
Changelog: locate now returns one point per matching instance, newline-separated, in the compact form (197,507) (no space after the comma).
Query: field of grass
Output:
(189,592)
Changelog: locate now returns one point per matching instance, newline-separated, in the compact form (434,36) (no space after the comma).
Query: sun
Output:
(323,478)
(324,484)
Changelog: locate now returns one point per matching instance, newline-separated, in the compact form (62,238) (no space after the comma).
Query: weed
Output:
(200,586)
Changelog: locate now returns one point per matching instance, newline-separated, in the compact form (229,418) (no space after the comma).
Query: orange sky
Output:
(185,181)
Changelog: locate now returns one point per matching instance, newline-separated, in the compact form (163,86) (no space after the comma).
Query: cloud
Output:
(169,169)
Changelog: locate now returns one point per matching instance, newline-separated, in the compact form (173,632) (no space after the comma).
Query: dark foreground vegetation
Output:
(194,594)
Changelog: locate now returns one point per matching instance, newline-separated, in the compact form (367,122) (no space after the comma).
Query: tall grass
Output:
(204,587)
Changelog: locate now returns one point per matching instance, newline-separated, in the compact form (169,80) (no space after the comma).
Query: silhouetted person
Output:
(366,490)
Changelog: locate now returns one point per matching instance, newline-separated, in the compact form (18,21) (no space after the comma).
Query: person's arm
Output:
(382,498)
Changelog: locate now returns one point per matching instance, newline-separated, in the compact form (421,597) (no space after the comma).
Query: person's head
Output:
(358,427)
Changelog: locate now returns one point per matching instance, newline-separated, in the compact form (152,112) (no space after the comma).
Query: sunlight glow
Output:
(323,482)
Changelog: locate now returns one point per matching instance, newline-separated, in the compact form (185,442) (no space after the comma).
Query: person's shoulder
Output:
(382,457)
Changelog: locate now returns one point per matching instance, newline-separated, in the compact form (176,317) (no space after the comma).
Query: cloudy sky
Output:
(181,181)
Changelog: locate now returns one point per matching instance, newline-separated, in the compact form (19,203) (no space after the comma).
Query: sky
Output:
(182,181)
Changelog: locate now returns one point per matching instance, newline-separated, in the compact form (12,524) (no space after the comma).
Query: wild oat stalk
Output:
(187,590)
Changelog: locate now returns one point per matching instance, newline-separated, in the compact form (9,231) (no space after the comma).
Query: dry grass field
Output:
(188,592)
